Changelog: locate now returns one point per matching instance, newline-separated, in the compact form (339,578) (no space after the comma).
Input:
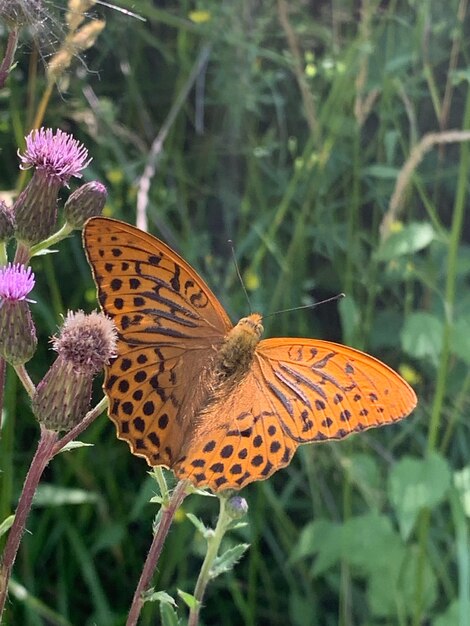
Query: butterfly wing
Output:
(323,390)
(297,391)
(239,440)
(170,326)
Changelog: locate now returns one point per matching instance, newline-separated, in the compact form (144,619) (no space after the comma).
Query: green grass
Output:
(356,532)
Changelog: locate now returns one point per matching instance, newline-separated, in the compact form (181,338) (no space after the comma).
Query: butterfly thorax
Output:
(236,354)
(229,366)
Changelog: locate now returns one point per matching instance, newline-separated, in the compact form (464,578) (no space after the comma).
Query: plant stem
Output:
(25,379)
(213,544)
(168,513)
(38,464)
(62,233)
(49,445)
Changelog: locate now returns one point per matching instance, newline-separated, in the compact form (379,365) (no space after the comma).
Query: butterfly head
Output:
(251,327)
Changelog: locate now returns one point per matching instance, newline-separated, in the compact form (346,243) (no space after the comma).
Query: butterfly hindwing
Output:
(238,441)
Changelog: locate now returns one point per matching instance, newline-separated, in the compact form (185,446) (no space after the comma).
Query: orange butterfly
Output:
(210,400)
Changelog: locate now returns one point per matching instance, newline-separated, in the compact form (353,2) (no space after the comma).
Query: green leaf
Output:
(188,599)
(45,251)
(323,539)
(421,336)
(226,561)
(73,445)
(51,495)
(168,615)
(191,489)
(415,484)
(363,471)
(410,239)
(6,524)
(159,596)
(369,542)
(156,500)
(394,585)
(195,521)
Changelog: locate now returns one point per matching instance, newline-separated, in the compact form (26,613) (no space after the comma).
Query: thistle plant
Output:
(61,400)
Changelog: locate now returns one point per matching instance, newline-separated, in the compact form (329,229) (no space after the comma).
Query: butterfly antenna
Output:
(307,306)
(234,258)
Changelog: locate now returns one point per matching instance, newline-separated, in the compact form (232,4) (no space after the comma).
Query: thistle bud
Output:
(86,343)
(55,158)
(7,222)
(17,332)
(87,201)
(236,507)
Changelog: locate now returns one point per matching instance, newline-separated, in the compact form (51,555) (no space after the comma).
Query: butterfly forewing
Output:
(170,326)
(323,390)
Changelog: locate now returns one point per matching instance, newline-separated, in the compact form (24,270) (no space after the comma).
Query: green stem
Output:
(62,233)
(25,379)
(213,544)
(162,484)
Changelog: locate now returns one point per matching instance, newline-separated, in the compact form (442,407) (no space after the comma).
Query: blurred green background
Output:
(286,128)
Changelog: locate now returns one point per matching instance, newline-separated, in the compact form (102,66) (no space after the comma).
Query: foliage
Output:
(291,142)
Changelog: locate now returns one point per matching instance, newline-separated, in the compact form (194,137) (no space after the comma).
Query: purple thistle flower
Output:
(56,158)
(16,281)
(17,332)
(87,341)
(58,155)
